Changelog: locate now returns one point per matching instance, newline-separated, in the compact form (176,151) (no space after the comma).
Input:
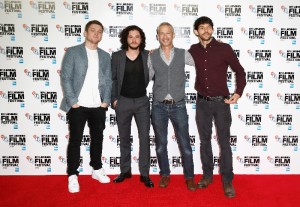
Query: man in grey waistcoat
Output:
(167,68)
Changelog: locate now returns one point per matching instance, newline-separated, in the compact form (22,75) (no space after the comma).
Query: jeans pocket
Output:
(180,104)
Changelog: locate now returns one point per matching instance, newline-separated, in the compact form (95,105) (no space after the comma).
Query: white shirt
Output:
(89,95)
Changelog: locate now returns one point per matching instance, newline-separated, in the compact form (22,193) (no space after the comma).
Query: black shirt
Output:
(134,80)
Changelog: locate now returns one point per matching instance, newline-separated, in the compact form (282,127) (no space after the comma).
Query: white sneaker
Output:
(73,184)
(100,176)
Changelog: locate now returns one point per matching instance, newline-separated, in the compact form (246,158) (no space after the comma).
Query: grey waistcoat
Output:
(169,79)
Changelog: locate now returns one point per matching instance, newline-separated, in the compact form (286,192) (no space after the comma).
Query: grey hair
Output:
(164,24)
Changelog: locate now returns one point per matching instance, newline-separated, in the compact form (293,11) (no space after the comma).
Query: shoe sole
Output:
(101,181)
(163,186)
(73,191)
(230,196)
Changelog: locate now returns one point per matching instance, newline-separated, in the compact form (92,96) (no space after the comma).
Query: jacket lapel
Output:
(122,66)
(83,54)
(145,65)
(100,61)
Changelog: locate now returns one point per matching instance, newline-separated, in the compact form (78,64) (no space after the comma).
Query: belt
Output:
(168,101)
(212,98)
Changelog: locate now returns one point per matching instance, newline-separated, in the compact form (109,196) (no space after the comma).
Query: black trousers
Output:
(219,112)
(78,117)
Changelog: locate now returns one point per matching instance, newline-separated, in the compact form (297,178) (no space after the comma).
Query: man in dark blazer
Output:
(86,84)
(130,77)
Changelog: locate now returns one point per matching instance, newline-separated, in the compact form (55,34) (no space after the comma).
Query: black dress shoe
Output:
(146,180)
(122,177)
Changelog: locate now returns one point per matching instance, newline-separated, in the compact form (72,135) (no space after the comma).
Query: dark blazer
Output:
(118,63)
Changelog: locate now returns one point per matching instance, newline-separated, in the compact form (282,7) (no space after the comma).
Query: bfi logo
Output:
(14,52)
(12,6)
(80,7)
(7,29)
(157,9)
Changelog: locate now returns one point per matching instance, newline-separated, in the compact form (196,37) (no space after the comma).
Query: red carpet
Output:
(252,190)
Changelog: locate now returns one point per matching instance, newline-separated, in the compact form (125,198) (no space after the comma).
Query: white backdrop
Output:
(35,34)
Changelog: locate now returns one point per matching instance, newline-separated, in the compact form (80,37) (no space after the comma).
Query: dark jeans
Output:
(126,109)
(161,113)
(95,117)
(206,112)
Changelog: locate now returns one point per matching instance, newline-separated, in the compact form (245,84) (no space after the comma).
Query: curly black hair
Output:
(124,35)
(203,20)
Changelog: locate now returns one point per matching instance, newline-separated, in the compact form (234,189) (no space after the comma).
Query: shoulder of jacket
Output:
(75,47)
(119,52)
(156,50)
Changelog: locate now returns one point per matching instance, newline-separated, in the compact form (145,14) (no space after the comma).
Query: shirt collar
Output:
(213,42)
(161,50)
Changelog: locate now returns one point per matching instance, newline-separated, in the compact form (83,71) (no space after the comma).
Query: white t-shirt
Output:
(90,95)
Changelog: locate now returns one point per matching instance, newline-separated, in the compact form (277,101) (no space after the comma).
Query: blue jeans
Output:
(161,113)
(219,112)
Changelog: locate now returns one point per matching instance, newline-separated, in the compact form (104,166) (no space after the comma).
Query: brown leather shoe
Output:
(191,185)
(164,181)
(228,190)
(204,182)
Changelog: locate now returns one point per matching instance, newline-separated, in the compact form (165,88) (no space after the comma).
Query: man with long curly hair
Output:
(130,76)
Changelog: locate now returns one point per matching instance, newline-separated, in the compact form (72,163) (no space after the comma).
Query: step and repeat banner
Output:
(34,36)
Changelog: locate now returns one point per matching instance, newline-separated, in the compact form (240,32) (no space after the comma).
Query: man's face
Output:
(165,35)
(93,34)
(134,39)
(204,32)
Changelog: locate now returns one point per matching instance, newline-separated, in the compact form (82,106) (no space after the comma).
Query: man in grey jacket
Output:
(86,84)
